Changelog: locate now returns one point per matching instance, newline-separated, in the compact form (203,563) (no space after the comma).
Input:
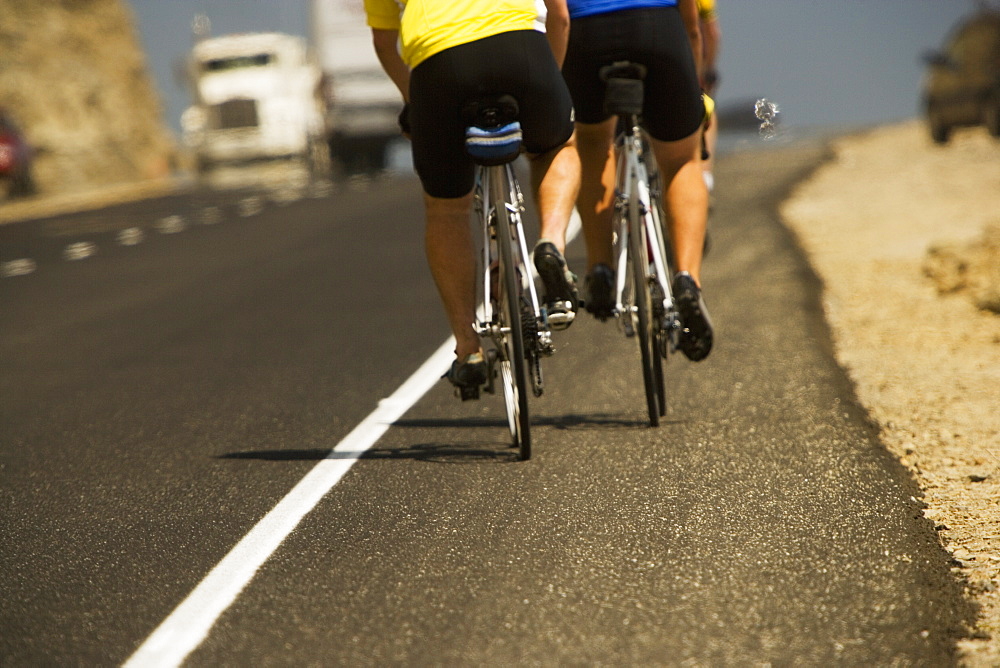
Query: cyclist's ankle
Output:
(692,274)
(463,354)
(561,247)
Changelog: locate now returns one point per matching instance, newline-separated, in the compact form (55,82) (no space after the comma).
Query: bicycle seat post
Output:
(623,93)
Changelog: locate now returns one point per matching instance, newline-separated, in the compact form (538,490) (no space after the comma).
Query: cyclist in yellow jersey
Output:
(711,40)
(441,54)
(706,9)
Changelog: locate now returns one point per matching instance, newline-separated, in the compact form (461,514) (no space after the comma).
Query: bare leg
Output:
(555,177)
(597,188)
(451,256)
(685,200)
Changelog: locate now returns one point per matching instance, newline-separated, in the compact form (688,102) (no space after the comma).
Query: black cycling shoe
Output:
(696,327)
(561,299)
(468,376)
(599,287)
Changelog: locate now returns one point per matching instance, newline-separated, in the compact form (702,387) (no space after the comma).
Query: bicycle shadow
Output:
(571,421)
(498,450)
(441,453)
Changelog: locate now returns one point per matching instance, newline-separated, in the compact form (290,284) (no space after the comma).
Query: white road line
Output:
(188,625)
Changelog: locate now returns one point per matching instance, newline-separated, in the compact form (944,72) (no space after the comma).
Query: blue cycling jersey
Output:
(580,8)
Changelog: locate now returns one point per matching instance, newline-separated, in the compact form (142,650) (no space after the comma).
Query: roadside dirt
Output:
(906,238)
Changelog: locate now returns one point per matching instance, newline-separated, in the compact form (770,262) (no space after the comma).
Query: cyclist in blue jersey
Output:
(662,35)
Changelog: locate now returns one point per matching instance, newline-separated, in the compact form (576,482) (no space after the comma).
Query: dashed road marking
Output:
(131,236)
(250,206)
(285,196)
(81,250)
(19,267)
(359,183)
(210,215)
(321,189)
(170,225)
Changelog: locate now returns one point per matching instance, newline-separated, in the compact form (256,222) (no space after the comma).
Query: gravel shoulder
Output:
(925,358)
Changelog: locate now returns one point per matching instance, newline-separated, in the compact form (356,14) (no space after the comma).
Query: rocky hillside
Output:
(74,76)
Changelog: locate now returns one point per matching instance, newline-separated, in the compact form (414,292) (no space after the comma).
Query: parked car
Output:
(962,86)
(16,156)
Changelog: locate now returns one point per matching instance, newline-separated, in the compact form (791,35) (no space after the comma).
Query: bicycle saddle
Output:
(623,69)
(493,135)
(490,111)
(623,93)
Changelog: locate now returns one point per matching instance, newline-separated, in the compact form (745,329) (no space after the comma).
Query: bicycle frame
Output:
(497,186)
(632,189)
(511,318)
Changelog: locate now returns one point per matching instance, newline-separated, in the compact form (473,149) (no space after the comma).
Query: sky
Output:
(824,62)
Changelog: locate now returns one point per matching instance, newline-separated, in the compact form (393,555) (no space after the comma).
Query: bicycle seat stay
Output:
(493,134)
(623,93)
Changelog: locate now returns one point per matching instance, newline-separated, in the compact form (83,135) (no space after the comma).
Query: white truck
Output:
(362,102)
(256,96)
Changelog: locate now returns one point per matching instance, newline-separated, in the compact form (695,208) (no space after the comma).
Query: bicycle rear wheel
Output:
(658,284)
(661,336)
(513,369)
(659,347)
(638,259)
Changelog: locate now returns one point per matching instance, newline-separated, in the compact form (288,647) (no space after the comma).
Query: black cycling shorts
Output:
(515,63)
(656,37)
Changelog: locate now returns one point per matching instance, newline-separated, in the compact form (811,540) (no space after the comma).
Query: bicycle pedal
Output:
(561,315)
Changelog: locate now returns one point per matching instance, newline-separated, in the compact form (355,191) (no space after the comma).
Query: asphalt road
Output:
(164,391)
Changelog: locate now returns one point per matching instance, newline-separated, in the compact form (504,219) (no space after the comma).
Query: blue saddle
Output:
(494,146)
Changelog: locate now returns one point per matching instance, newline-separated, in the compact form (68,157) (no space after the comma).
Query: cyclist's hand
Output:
(709,108)
(709,80)
(404,120)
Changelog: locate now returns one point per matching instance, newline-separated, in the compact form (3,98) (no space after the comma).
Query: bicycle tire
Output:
(661,342)
(661,391)
(513,370)
(639,267)
(661,336)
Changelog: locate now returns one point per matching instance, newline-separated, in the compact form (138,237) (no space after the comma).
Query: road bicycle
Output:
(514,327)
(644,303)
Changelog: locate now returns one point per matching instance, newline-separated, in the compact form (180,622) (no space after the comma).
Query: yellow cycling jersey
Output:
(427,27)
(706,10)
